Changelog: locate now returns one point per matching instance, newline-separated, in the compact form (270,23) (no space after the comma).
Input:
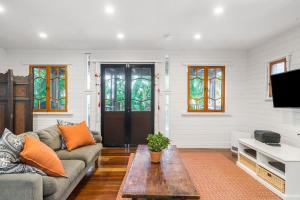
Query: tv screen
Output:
(285,89)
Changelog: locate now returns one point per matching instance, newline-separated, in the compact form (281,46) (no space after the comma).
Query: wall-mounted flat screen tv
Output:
(286,89)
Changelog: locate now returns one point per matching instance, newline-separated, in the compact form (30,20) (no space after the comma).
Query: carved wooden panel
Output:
(2,118)
(3,90)
(21,91)
(20,117)
(6,101)
(22,104)
(15,102)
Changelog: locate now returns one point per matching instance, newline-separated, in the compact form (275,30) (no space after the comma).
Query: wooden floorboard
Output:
(105,182)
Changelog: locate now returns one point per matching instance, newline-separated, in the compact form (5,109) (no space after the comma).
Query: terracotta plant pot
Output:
(155,156)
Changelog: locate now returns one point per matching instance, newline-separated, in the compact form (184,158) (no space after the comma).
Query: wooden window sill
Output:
(205,114)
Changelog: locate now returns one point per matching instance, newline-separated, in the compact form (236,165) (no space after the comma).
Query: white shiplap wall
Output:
(186,131)
(19,61)
(260,113)
(2,60)
(204,130)
(245,88)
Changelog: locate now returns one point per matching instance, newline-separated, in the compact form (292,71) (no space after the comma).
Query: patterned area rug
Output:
(217,178)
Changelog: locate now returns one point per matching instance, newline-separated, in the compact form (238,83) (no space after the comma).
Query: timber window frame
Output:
(206,96)
(49,79)
(271,65)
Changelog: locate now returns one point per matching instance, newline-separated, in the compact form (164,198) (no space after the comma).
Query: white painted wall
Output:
(260,113)
(204,130)
(246,83)
(186,131)
(2,60)
(19,61)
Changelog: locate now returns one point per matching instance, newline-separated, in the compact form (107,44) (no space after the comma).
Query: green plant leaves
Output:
(157,142)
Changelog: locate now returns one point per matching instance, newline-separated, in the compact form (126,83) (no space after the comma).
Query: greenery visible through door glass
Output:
(141,89)
(114,89)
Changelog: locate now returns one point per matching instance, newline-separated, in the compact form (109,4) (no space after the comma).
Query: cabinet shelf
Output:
(284,184)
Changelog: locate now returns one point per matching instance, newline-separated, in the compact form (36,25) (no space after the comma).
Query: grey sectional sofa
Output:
(35,187)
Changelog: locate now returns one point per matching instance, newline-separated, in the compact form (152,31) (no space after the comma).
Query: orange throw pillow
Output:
(77,135)
(39,155)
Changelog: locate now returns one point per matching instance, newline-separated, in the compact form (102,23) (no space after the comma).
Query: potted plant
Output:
(156,143)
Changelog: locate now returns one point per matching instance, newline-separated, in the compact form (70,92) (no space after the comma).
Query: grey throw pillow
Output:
(10,147)
(65,123)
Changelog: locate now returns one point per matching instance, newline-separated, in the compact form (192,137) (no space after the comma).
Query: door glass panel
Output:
(39,102)
(141,89)
(196,78)
(215,88)
(114,89)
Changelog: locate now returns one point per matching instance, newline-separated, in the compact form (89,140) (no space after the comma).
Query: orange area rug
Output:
(218,178)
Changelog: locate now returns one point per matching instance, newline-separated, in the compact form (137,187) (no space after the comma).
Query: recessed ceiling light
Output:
(2,10)
(120,36)
(218,10)
(109,9)
(197,36)
(168,37)
(43,35)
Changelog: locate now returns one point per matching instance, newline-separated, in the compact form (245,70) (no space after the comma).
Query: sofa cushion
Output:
(10,148)
(49,185)
(66,123)
(32,134)
(51,137)
(86,153)
(97,136)
(41,156)
(54,187)
(77,135)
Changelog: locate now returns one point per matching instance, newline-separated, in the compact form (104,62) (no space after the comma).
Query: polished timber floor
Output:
(105,181)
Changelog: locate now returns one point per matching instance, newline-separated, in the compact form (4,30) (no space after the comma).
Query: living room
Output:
(199,72)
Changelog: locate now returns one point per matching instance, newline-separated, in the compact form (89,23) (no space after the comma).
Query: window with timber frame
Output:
(276,67)
(206,88)
(50,88)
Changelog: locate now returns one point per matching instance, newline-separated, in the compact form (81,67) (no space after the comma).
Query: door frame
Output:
(127,111)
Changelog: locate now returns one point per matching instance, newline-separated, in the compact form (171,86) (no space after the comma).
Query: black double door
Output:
(127,104)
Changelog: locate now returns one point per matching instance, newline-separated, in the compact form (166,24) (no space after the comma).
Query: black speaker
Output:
(267,136)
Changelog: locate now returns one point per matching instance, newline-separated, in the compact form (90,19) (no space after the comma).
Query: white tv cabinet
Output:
(285,184)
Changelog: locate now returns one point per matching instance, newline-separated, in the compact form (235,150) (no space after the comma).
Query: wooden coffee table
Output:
(167,180)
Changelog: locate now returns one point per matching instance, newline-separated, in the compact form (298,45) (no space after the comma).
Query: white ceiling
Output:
(83,24)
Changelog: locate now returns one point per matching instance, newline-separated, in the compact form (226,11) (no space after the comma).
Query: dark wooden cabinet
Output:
(16,95)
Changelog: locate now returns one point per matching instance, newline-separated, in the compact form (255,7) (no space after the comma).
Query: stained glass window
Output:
(196,88)
(206,88)
(50,88)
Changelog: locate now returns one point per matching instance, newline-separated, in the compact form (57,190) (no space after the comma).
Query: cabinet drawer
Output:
(271,178)
(247,162)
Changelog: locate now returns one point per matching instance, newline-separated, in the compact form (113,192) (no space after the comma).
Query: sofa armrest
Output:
(97,136)
(21,187)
